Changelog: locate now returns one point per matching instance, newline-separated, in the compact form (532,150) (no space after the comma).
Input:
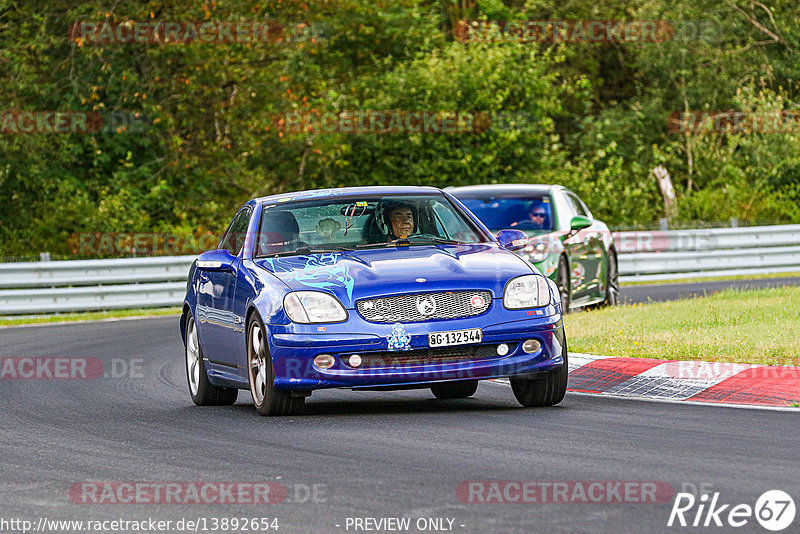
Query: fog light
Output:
(531,346)
(355,360)
(502,349)
(324,361)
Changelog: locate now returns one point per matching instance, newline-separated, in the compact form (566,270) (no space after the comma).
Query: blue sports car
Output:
(368,288)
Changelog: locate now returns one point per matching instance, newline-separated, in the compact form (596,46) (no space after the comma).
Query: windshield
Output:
(499,212)
(349,223)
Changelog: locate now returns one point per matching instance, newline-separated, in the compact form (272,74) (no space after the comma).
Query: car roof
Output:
(533,189)
(349,191)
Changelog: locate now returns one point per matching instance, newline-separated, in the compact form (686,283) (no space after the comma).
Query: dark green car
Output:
(565,243)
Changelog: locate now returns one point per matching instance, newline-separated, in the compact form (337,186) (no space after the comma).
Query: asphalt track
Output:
(645,293)
(378,454)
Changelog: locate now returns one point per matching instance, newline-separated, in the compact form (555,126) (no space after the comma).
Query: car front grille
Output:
(424,306)
(426,356)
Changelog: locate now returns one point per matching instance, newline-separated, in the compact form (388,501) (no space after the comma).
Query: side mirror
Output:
(578,223)
(215,260)
(512,239)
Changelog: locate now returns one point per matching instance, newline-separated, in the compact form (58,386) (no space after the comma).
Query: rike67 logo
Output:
(774,510)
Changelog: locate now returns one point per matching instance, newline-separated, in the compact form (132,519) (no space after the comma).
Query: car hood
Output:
(355,275)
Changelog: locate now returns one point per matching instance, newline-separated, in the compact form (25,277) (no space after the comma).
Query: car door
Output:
(217,321)
(587,253)
(577,249)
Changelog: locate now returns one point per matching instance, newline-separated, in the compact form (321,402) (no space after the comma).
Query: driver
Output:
(396,219)
(402,221)
(535,218)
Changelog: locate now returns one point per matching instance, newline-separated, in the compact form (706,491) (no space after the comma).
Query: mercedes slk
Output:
(368,288)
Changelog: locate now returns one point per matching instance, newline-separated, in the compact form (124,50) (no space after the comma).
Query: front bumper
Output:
(293,348)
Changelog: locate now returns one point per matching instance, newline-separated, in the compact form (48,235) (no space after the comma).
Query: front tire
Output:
(455,390)
(203,392)
(267,399)
(562,281)
(612,279)
(546,391)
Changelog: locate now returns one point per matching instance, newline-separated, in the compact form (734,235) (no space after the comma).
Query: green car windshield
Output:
(352,222)
(508,211)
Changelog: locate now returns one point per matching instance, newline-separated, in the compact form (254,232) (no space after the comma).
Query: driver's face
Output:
(538,216)
(402,222)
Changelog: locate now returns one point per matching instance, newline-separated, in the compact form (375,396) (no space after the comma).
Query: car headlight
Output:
(536,253)
(528,291)
(313,307)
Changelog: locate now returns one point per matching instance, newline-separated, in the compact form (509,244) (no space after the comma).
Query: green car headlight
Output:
(535,252)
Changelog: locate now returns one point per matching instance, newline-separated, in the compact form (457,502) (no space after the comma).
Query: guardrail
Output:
(653,256)
(85,285)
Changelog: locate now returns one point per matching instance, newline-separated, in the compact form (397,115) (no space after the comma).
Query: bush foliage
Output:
(589,115)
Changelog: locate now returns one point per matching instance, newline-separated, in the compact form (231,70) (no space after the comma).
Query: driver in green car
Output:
(537,217)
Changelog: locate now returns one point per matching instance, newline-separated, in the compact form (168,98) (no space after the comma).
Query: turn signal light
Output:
(531,346)
(324,361)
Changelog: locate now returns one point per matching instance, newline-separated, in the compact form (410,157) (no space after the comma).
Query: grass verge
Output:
(743,326)
(88,316)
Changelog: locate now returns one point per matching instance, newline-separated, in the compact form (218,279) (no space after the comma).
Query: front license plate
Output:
(455,337)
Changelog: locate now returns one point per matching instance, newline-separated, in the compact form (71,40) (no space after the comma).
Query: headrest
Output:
(281,222)
(278,228)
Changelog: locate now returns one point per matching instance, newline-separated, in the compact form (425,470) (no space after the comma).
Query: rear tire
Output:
(455,390)
(267,399)
(203,392)
(546,391)
(562,281)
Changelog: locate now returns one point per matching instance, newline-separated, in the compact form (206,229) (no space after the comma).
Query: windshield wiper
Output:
(425,239)
(416,239)
(299,251)
(376,245)
(326,248)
